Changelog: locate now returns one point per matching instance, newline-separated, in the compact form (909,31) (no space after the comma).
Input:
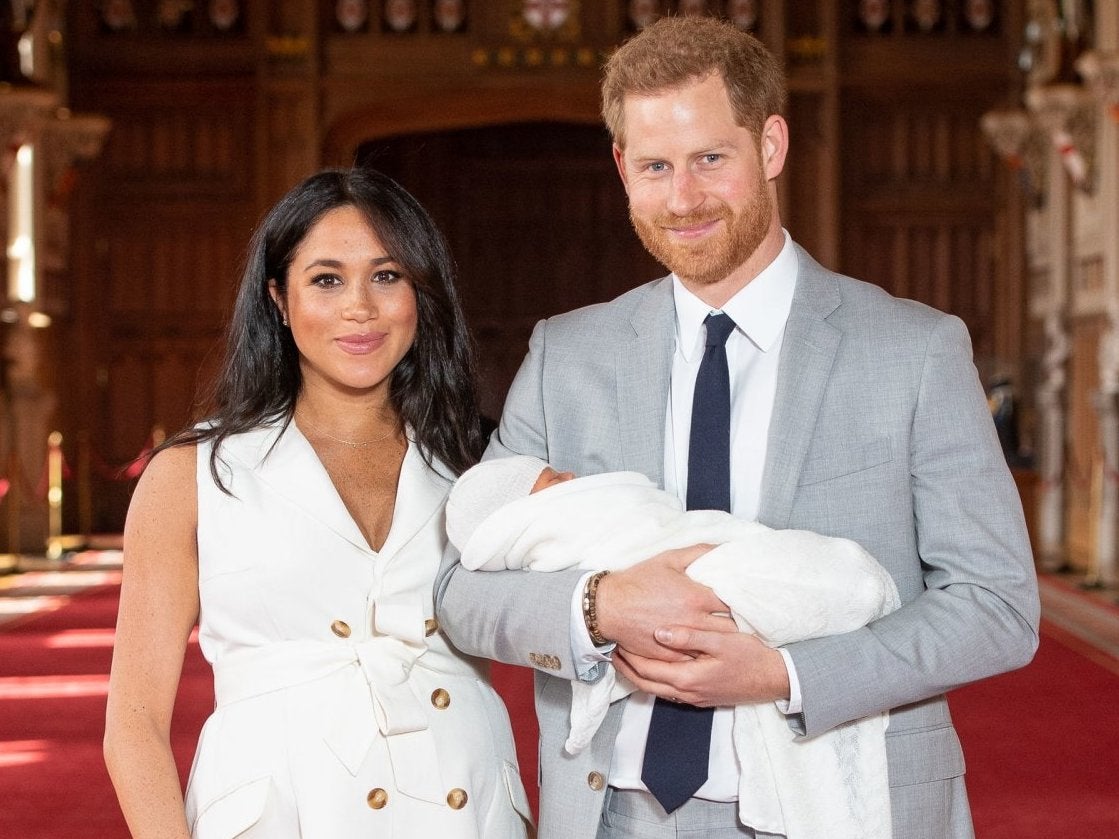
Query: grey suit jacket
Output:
(880,433)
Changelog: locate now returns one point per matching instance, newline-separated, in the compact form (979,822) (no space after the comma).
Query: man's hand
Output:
(720,668)
(634,602)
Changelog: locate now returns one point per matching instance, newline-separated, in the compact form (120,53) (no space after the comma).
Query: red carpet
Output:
(54,675)
(1042,744)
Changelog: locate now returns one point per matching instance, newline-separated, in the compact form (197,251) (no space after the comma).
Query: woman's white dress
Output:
(341,710)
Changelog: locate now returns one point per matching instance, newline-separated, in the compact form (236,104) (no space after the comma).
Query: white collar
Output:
(759,310)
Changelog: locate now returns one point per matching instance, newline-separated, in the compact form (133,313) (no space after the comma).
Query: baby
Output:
(781,585)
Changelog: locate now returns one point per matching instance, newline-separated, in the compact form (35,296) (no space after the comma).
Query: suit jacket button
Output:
(431,626)
(595,781)
(545,662)
(456,798)
(440,698)
(377,798)
(340,628)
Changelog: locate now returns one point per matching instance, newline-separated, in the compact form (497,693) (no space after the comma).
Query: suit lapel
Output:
(807,354)
(644,365)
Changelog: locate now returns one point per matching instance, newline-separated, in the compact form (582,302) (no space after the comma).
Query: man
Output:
(851,413)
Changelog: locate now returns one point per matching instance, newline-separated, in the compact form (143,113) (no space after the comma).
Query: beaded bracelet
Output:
(590,608)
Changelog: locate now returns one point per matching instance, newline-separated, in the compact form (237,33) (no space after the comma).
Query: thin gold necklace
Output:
(352,443)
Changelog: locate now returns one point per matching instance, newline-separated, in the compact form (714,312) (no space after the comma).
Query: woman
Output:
(302,526)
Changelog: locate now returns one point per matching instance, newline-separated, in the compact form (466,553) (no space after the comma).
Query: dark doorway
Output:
(537,220)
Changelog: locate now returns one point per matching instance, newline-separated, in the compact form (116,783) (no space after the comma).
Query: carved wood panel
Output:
(160,230)
(919,203)
(1083,471)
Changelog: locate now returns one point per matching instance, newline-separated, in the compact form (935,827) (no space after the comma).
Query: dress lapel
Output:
(644,365)
(807,353)
(419,495)
(292,470)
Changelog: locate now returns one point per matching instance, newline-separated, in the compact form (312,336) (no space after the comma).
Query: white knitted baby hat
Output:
(486,487)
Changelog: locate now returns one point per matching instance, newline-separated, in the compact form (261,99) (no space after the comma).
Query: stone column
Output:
(65,143)
(1101,73)
(1051,444)
(1056,109)
(24,110)
(32,116)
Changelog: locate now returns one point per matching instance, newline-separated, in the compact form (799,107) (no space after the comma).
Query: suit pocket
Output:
(233,811)
(846,459)
(924,755)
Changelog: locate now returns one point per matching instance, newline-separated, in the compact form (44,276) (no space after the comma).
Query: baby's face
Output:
(550,477)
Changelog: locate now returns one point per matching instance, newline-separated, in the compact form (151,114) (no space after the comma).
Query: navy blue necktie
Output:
(679,744)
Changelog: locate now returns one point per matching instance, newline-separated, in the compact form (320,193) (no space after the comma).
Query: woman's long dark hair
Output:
(432,388)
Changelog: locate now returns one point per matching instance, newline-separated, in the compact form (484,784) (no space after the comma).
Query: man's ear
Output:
(620,162)
(774,145)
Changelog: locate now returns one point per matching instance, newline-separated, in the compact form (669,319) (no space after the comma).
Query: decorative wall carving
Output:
(1019,143)
(1066,113)
(1101,71)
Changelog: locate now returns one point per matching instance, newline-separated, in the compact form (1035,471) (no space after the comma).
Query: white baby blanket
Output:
(781,585)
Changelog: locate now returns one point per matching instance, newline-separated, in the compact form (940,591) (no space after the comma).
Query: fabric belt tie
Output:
(377,689)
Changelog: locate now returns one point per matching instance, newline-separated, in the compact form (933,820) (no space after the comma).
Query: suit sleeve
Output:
(978,613)
(516,616)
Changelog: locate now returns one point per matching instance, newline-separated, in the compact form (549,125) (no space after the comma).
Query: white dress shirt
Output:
(759,311)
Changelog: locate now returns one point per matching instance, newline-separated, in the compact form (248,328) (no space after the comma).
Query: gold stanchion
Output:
(57,543)
(54,495)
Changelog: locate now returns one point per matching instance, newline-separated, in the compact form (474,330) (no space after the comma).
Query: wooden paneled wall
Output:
(920,203)
(496,130)
(160,230)
(925,202)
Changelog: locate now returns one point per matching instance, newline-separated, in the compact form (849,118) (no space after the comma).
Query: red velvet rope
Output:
(125,472)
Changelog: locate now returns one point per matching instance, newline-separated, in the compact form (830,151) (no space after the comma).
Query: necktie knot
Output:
(719,326)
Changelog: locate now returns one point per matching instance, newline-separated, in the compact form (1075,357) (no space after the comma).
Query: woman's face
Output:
(351,309)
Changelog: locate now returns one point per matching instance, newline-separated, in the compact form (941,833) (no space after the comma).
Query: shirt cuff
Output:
(585,655)
(795,703)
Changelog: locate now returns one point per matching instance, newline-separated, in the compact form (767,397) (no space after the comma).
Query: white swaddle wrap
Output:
(781,585)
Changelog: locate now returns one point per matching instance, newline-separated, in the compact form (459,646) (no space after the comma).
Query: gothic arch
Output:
(453,108)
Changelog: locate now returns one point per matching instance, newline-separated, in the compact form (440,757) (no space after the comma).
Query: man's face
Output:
(698,184)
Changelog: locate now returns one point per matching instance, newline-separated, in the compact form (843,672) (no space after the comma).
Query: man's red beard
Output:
(717,255)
